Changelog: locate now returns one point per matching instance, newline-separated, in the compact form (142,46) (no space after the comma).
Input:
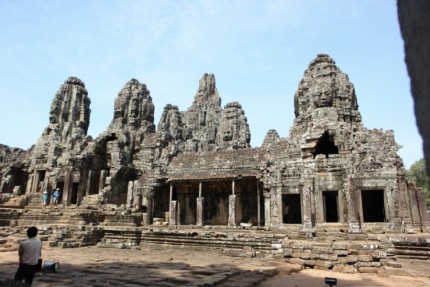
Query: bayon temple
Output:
(331,177)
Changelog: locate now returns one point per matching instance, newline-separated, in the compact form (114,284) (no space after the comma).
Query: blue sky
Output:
(258,51)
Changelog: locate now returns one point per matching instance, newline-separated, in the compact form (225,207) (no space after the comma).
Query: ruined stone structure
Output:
(197,167)
(332,194)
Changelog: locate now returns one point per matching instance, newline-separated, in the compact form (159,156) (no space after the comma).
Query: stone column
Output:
(67,187)
(29,184)
(307,206)
(258,205)
(200,206)
(352,202)
(232,210)
(148,201)
(35,185)
(173,214)
(129,202)
(267,208)
(424,216)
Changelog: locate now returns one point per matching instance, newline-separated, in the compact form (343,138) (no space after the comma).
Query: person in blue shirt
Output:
(45,198)
(56,196)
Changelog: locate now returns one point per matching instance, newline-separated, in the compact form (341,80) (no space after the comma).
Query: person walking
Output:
(29,252)
(56,197)
(45,198)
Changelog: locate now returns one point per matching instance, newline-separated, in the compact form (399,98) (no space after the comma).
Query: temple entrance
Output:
(331,206)
(40,177)
(74,195)
(373,209)
(291,209)
(161,201)
(215,210)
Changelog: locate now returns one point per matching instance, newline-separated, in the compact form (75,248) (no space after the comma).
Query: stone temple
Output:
(331,177)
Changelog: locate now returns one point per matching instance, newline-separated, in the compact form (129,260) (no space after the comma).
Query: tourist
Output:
(29,253)
(56,196)
(45,198)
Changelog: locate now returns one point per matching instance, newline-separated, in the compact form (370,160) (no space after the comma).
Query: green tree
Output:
(419,173)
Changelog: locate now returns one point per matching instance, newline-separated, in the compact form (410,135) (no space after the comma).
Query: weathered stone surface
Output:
(331,179)
(415,27)
(233,131)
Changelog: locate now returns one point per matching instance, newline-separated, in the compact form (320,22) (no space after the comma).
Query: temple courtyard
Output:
(166,266)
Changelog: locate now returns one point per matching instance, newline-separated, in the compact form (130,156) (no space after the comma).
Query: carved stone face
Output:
(134,110)
(227,136)
(323,96)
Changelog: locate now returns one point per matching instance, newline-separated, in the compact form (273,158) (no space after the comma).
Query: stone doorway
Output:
(292,209)
(373,207)
(74,195)
(331,206)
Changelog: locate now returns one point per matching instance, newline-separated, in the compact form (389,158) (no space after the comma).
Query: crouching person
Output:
(29,252)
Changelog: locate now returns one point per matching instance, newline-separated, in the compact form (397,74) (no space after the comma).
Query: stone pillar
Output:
(267,209)
(36,181)
(200,204)
(258,205)
(129,202)
(148,201)
(352,202)
(307,206)
(232,210)
(89,182)
(67,187)
(29,184)
(424,216)
(138,203)
(405,206)
(173,213)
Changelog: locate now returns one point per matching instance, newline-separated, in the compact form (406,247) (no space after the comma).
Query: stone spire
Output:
(326,110)
(233,131)
(202,118)
(170,125)
(65,137)
(324,88)
(69,116)
(133,109)
(133,119)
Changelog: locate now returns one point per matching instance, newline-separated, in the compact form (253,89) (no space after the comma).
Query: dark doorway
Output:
(291,208)
(373,205)
(215,210)
(325,145)
(95,182)
(42,174)
(161,201)
(74,197)
(331,208)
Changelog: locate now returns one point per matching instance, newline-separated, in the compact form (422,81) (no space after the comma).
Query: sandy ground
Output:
(159,266)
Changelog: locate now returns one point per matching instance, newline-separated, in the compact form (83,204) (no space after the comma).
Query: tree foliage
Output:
(419,173)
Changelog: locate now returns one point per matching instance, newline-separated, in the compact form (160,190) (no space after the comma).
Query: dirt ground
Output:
(160,266)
